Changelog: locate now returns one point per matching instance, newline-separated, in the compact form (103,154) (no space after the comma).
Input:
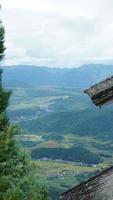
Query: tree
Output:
(17,181)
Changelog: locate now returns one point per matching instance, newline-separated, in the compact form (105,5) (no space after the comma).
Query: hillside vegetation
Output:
(59,122)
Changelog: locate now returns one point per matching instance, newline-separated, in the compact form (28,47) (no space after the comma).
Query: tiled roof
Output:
(102,92)
(99,187)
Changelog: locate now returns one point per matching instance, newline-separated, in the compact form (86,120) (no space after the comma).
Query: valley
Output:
(69,139)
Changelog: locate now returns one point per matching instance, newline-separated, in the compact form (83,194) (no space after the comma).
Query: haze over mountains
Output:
(81,77)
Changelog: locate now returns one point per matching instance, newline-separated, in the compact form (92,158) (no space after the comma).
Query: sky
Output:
(58,33)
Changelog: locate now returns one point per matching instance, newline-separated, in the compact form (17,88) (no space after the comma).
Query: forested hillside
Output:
(59,122)
(42,106)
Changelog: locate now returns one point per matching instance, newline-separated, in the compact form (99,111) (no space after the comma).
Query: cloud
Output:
(58,33)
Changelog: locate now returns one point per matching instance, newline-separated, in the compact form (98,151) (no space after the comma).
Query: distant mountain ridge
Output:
(82,77)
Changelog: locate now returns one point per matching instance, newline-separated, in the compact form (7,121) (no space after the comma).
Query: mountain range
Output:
(81,77)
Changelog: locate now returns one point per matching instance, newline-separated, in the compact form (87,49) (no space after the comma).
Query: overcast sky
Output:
(58,33)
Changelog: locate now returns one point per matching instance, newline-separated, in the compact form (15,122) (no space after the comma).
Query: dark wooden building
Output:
(99,187)
(102,92)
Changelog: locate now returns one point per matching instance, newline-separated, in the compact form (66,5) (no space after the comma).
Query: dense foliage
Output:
(77,154)
(17,181)
(85,123)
